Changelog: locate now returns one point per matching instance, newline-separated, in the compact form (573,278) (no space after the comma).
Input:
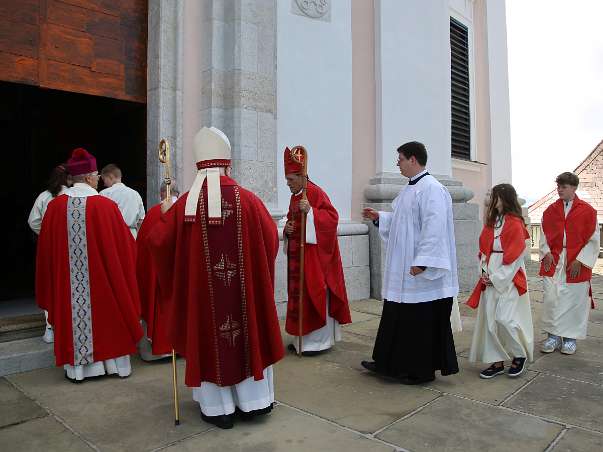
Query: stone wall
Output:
(354,248)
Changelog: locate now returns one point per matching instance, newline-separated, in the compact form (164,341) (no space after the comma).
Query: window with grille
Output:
(461,117)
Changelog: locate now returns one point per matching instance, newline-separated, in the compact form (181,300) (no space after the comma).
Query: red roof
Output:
(590,172)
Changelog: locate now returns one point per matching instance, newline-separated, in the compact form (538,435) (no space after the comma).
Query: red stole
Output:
(86,280)
(148,286)
(322,267)
(512,240)
(578,227)
(217,283)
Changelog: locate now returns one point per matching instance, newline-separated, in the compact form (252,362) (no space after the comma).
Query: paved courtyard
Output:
(328,403)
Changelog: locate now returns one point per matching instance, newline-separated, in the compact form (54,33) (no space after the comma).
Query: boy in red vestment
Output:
(214,251)
(325,304)
(86,280)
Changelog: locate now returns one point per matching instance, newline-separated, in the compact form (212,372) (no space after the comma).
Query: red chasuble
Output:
(579,226)
(513,242)
(322,267)
(148,286)
(217,282)
(86,280)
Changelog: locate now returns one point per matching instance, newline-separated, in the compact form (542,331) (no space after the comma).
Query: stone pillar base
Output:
(380,193)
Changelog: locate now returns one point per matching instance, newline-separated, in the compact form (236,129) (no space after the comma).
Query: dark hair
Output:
(112,169)
(568,178)
(416,150)
(57,179)
(510,204)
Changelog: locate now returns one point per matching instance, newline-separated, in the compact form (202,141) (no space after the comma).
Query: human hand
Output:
(486,280)
(575,269)
(414,271)
(289,227)
(370,214)
(166,204)
(547,261)
(304,206)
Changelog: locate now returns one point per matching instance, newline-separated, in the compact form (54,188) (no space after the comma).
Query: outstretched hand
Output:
(370,214)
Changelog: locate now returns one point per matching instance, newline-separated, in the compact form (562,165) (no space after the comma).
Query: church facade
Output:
(350,80)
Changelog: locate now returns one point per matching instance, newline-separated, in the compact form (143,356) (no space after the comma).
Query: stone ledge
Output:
(25,355)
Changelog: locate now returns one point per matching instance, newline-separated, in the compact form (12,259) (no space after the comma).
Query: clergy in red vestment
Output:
(325,304)
(214,250)
(155,344)
(86,278)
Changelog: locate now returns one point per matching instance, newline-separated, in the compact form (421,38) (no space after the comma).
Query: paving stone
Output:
(135,413)
(369,306)
(367,328)
(580,366)
(16,407)
(455,424)
(576,440)
(41,434)
(468,384)
(354,399)
(358,316)
(285,429)
(562,400)
(352,349)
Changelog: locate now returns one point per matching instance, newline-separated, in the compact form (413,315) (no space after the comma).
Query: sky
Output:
(555,87)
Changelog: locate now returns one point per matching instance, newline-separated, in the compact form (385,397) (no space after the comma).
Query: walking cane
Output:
(300,155)
(164,158)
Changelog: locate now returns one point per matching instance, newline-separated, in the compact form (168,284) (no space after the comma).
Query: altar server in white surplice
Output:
(503,328)
(128,200)
(569,247)
(420,277)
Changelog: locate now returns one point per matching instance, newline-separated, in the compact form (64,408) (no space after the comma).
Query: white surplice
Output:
(129,203)
(248,395)
(503,327)
(419,232)
(39,209)
(567,305)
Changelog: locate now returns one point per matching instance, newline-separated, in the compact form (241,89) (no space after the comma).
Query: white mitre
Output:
(212,151)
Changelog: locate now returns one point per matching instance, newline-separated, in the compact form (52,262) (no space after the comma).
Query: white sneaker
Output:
(551,344)
(48,335)
(569,346)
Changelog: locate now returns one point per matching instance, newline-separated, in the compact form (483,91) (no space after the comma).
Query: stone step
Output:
(24,355)
(21,327)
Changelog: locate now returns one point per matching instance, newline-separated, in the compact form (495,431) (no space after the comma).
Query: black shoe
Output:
(492,371)
(291,348)
(519,364)
(250,415)
(416,380)
(370,366)
(224,421)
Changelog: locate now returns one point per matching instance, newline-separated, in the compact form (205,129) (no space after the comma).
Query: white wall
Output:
(314,99)
(500,116)
(412,59)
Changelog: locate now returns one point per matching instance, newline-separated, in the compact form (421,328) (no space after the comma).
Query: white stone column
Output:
(238,92)
(164,90)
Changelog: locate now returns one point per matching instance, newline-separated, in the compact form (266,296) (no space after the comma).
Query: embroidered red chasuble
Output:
(217,283)
(579,226)
(513,242)
(148,286)
(86,280)
(322,267)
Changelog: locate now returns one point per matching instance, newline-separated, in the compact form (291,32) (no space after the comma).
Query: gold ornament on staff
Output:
(164,158)
(300,155)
